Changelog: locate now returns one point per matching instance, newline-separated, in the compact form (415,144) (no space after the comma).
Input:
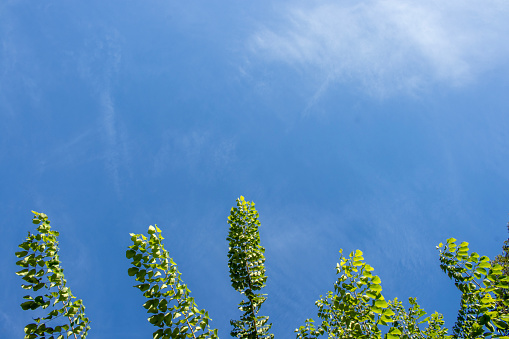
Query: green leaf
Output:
(28,305)
(21,254)
(395,331)
(503,325)
(481,270)
(130,253)
(39,286)
(484,264)
(372,295)
(132,271)
(158,334)
(30,328)
(381,303)
(389,312)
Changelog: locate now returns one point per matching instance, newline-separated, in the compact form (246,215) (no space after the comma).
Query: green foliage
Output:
(44,278)
(408,321)
(172,308)
(309,330)
(247,272)
(481,284)
(503,260)
(354,309)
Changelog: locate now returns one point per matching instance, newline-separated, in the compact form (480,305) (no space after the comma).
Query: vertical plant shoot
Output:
(247,272)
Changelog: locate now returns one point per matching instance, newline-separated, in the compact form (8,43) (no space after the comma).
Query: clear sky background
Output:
(373,125)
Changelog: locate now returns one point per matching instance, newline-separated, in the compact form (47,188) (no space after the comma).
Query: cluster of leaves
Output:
(503,260)
(44,277)
(174,311)
(356,308)
(408,322)
(484,299)
(247,271)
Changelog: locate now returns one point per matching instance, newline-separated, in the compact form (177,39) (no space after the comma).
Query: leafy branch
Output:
(174,310)
(482,284)
(41,270)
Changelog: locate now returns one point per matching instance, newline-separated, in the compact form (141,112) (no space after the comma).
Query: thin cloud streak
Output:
(112,152)
(99,65)
(389,46)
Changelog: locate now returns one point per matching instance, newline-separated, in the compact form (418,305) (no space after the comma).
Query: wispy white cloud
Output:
(388,46)
(99,64)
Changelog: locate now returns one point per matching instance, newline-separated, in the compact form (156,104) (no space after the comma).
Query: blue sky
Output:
(375,125)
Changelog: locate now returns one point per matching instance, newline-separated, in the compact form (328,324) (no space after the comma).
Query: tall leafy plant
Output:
(44,279)
(247,271)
